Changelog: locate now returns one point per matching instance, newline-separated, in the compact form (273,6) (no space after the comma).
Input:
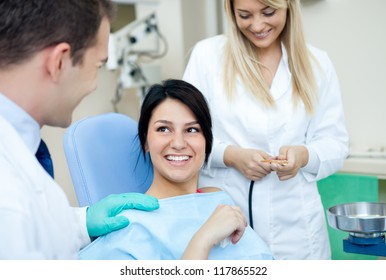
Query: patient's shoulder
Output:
(210,189)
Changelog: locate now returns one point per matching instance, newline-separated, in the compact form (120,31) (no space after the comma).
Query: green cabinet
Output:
(346,188)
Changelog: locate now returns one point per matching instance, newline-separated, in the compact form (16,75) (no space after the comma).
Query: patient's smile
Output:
(177,158)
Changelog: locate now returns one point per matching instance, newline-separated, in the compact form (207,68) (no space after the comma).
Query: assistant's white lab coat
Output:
(36,221)
(288,215)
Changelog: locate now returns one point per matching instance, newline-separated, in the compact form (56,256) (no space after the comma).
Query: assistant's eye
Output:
(244,16)
(269,12)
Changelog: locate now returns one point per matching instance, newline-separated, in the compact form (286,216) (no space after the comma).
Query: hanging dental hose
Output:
(250,204)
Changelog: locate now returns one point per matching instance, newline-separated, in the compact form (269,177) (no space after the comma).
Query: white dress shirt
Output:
(36,220)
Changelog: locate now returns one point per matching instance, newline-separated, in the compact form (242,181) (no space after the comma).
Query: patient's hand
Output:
(226,221)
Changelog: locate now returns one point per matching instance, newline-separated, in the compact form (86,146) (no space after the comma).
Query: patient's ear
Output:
(58,57)
(146,147)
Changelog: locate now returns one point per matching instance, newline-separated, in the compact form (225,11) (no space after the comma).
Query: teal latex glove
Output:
(101,217)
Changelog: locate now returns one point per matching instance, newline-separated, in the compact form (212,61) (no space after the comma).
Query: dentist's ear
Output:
(57,58)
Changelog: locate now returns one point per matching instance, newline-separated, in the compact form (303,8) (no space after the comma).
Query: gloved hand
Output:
(101,217)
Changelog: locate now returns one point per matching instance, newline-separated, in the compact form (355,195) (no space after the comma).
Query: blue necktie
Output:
(44,158)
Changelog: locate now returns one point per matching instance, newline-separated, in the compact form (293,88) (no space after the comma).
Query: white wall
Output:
(183,23)
(352,32)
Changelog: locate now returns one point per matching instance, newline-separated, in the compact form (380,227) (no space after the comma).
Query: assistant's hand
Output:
(101,217)
(297,157)
(248,162)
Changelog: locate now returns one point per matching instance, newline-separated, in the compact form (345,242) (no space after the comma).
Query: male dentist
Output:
(50,53)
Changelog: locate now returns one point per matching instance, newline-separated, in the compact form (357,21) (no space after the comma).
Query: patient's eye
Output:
(163,129)
(193,129)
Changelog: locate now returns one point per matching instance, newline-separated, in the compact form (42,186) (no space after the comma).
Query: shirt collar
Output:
(27,128)
(282,80)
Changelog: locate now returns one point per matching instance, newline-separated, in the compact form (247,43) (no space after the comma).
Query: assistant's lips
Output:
(262,35)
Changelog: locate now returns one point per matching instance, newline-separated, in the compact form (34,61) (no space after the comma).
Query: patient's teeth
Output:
(177,158)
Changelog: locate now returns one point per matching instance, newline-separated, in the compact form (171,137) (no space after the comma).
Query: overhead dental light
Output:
(129,47)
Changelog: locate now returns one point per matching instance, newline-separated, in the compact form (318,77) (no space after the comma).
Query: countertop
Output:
(365,165)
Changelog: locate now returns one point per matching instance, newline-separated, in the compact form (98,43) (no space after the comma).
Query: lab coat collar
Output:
(282,81)
(24,124)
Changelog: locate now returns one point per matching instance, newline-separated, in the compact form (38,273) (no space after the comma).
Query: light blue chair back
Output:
(104,157)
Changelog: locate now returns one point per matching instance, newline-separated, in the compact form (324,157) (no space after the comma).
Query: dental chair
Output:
(104,156)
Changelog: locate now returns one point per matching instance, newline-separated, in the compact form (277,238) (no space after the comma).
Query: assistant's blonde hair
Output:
(241,58)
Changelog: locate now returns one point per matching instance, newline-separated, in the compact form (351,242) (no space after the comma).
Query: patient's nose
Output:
(178,141)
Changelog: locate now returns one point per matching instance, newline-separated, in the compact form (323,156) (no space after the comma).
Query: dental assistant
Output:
(272,96)
(50,53)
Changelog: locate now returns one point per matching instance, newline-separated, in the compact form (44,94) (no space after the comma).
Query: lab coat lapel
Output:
(282,80)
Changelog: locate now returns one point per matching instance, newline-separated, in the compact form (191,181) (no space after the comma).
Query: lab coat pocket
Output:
(316,232)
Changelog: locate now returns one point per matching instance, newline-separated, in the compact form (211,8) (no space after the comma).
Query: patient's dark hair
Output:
(29,26)
(186,94)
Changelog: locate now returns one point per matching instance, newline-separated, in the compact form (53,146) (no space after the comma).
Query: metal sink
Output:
(363,218)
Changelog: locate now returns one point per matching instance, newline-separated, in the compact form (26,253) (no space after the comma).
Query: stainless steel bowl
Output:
(358,218)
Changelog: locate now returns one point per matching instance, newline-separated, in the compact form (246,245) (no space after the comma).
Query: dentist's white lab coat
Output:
(36,221)
(287,214)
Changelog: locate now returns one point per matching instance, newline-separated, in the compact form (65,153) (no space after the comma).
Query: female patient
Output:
(191,222)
